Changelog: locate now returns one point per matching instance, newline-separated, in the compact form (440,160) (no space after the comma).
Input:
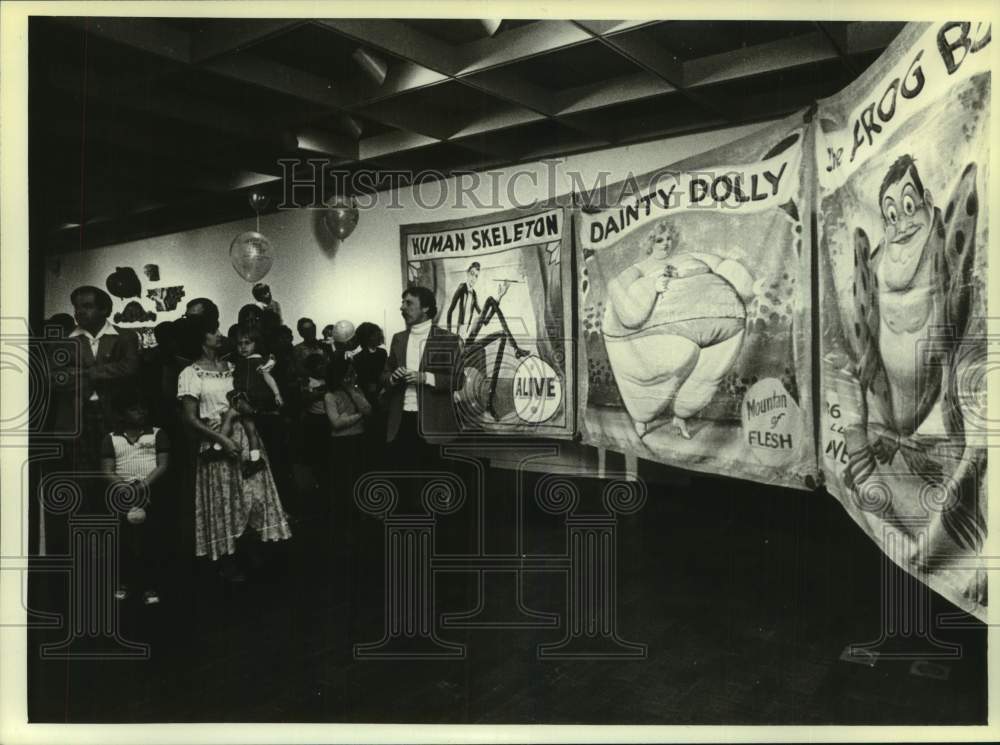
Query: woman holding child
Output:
(226,500)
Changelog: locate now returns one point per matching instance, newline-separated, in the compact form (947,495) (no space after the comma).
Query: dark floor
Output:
(745,596)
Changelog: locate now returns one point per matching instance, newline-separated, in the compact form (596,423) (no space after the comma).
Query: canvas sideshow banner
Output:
(694,313)
(903,158)
(501,284)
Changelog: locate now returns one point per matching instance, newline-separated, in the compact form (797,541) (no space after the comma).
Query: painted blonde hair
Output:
(663,228)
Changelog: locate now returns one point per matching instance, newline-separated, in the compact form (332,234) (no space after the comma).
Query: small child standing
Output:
(138,455)
(254,389)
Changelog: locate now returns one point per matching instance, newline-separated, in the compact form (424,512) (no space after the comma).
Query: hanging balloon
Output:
(258,201)
(341,218)
(252,255)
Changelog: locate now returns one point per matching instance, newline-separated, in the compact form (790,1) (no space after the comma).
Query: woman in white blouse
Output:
(226,502)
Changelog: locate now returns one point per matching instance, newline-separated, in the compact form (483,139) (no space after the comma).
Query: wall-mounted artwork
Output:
(134,313)
(152,272)
(694,314)
(166,298)
(124,282)
(499,283)
(903,233)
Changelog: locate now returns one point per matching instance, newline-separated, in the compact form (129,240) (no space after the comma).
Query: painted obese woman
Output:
(673,328)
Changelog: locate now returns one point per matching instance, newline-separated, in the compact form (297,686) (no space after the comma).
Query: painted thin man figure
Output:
(465,299)
(491,309)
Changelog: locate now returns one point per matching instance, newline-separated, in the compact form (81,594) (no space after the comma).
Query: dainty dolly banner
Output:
(750,187)
(902,160)
(502,284)
(695,331)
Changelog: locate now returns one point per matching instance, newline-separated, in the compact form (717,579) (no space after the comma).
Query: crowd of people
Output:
(202,440)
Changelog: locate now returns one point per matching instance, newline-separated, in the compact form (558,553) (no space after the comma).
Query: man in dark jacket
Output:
(420,377)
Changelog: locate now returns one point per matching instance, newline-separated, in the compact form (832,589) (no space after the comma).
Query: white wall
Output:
(361,280)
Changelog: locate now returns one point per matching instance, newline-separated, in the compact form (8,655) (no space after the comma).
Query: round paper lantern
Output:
(341,218)
(252,255)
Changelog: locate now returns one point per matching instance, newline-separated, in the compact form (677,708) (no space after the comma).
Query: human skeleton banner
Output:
(499,283)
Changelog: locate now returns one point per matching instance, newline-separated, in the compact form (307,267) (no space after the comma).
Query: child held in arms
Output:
(137,455)
(254,390)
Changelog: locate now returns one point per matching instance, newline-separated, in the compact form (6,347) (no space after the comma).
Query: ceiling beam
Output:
(225,37)
(649,55)
(105,164)
(283,79)
(398,39)
(323,143)
(871,37)
(162,40)
(775,102)
(402,77)
(127,90)
(623,89)
(510,87)
(518,44)
(154,147)
(783,54)
(145,34)
(391,143)
(837,36)
(607,28)
(505,118)
(411,117)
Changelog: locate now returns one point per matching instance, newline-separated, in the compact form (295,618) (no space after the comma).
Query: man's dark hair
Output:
(425,297)
(302,322)
(897,171)
(101,299)
(473,265)
(211,309)
(259,291)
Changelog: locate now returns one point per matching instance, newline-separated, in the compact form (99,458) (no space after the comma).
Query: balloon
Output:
(341,218)
(343,332)
(258,201)
(252,255)
(136,516)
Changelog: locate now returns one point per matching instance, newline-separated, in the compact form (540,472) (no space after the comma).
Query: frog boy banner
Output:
(902,173)
(502,285)
(694,314)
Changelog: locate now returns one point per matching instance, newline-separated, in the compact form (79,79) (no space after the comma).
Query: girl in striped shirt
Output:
(135,458)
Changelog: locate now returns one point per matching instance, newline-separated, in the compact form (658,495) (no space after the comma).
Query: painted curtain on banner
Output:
(902,174)
(694,314)
(499,282)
